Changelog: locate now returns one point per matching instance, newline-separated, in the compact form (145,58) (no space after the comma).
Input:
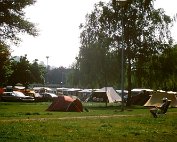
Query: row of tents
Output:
(143,97)
(68,103)
(109,95)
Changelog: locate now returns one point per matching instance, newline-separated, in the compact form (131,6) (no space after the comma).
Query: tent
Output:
(156,99)
(1,90)
(66,103)
(105,94)
(141,98)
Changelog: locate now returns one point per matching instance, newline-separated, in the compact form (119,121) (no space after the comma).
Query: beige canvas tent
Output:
(66,103)
(105,94)
(156,99)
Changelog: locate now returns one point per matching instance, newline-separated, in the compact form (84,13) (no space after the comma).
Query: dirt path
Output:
(67,118)
(70,118)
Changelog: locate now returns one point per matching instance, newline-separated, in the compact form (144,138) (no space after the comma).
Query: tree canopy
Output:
(12,24)
(135,27)
(13,21)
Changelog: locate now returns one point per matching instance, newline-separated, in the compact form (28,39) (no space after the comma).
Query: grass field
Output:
(25,122)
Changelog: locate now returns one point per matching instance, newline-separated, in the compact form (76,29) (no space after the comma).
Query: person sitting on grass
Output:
(162,109)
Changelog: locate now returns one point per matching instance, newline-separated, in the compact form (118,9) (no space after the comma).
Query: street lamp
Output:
(47,57)
(47,60)
(121,3)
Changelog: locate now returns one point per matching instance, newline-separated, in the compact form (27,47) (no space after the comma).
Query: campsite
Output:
(97,118)
(88,71)
(31,122)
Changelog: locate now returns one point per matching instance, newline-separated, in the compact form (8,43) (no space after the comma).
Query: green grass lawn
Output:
(31,122)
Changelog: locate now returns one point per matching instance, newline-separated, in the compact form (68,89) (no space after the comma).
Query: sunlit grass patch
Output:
(31,122)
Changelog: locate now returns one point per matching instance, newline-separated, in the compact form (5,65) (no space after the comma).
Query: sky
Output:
(58,24)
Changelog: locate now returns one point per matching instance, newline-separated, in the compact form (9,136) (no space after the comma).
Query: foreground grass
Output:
(22,122)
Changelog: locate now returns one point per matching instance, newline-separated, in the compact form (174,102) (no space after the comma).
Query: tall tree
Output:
(5,70)
(12,22)
(162,70)
(136,27)
(97,55)
(37,72)
(21,72)
(144,32)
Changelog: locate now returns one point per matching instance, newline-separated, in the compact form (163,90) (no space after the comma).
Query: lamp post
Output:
(47,57)
(122,4)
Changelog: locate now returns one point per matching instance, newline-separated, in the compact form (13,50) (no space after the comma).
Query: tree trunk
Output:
(129,83)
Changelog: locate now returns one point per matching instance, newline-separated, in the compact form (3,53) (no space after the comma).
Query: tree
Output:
(145,30)
(26,73)
(162,70)
(57,76)
(97,54)
(73,78)
(5,70)
(37,72)
(12,20)
(137,28)
(21,72)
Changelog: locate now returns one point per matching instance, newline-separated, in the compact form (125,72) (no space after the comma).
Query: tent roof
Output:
(19,87)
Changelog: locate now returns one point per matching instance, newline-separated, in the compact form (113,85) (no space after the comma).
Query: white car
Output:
(16,96)
(48,96)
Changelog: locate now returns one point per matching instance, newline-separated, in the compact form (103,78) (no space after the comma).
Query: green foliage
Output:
(21,72)
(137,28)
(37,72)
(25,73)
(4,63)
(73,78)
(57,75)
(161,70)
(13,20)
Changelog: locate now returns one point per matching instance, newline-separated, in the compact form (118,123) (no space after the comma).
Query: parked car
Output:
(16,96)
(48,96)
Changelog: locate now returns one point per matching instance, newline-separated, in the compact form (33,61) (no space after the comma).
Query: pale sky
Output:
(58,23)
